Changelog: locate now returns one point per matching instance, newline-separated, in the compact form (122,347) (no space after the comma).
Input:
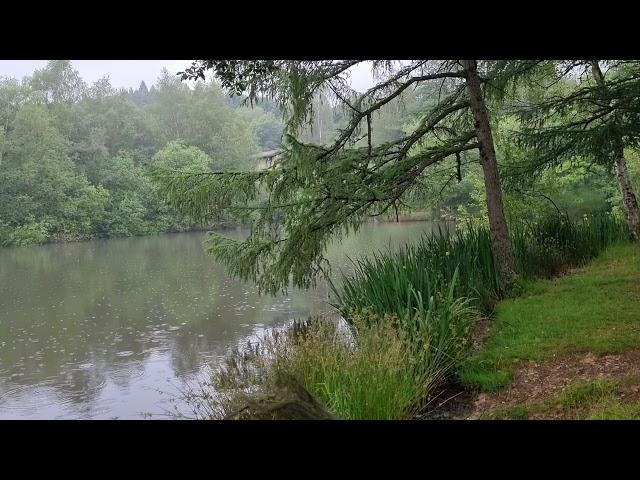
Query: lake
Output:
(113,328)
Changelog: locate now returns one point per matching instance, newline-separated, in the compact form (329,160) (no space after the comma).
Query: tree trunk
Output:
(501,242)
(629,201)
(628,196)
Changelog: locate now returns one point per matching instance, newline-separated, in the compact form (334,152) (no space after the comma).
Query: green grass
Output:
(581,394)
(595,310)
(519,412)
(374,381)
(402,280)
(599,400)
(547,247)
(614,409)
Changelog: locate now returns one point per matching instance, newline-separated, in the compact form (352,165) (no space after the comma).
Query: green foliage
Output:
(574,187)
(72,156)
(633,163)
(128,218)
(309,201)
(341,373)
(571,122)
(547,247)
(142,96)
(578,394)
(38,184)
(614,409)
(58,82)
(27,233)
(519,412)
(419,275)
(396,148)
(266,125)
(201,118)
(180,157)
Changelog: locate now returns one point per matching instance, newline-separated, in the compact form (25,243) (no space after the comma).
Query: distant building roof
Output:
(267,154)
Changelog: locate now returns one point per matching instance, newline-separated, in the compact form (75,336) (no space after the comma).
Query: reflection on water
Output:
(107,329)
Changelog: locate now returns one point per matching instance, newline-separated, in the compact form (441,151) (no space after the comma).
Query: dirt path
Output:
(537,382)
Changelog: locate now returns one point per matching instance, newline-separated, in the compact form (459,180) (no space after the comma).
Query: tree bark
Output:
(501,242)
(629,200)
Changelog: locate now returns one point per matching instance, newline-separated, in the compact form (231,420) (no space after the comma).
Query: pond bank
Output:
(566,348)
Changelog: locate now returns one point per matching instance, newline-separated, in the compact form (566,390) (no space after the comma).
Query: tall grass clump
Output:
(548,247)
(369,371)
(417,275)
(371,374)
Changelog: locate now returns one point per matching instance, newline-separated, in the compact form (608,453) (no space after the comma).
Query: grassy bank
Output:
(596,309)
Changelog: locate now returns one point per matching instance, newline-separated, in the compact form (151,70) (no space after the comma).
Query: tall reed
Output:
(408,278)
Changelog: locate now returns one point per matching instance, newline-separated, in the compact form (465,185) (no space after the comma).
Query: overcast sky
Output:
(129,73)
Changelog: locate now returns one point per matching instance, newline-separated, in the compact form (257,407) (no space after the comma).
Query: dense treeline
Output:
(72,155)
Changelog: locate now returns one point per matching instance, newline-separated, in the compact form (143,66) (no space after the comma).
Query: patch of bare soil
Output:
(453,401)
(480,332)
(536,382)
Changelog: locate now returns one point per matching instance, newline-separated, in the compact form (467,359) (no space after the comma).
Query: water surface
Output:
(111,328)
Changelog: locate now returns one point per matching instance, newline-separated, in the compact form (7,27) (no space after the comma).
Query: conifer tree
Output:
(311,193)
(596,120)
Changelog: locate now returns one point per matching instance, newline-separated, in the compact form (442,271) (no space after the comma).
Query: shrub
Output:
(30,233)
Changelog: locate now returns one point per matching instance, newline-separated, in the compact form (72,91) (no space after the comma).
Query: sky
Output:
(129,73)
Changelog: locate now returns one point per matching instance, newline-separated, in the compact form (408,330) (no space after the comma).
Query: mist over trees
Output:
(74,156)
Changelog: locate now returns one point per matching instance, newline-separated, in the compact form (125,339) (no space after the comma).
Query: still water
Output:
(112,329)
